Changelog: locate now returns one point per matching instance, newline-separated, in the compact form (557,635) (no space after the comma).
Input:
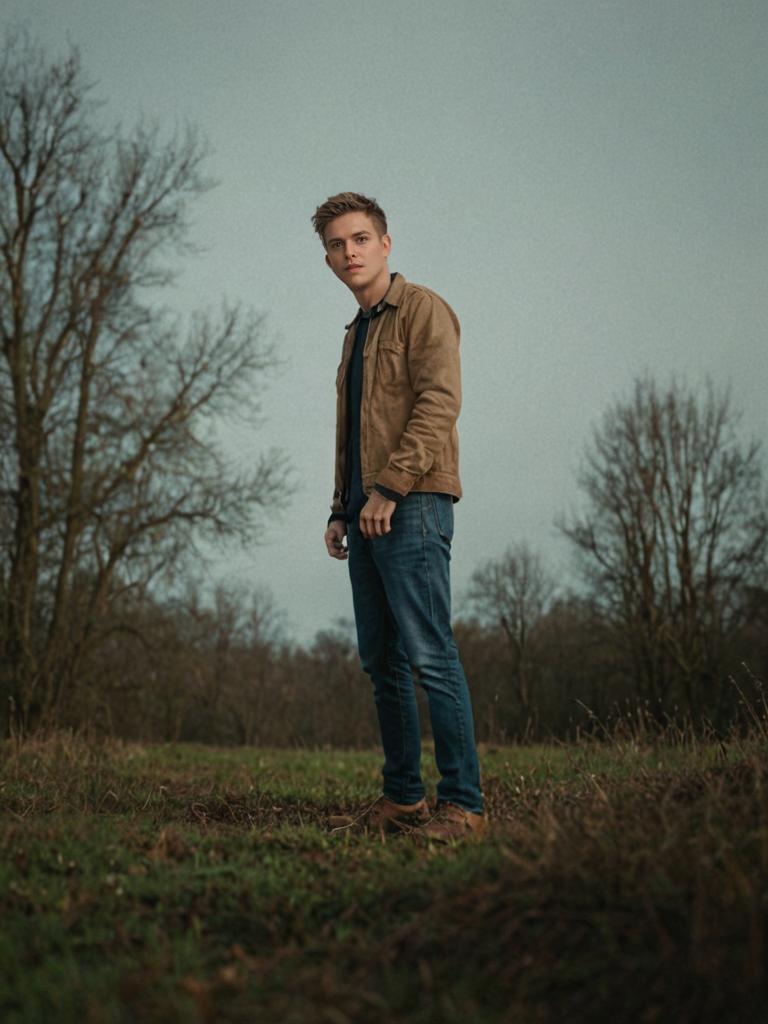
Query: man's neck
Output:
(373,293)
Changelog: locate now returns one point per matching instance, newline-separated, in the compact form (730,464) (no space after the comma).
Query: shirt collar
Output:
(392,298)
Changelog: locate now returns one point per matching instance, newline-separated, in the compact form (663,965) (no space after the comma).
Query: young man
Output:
(398,397)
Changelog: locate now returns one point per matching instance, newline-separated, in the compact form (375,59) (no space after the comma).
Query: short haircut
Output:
(348,202)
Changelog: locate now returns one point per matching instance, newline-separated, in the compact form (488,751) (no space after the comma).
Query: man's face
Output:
(355,251)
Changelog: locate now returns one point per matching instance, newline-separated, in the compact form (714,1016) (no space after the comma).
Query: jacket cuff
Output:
(388,493)
(342,516)
(395,480)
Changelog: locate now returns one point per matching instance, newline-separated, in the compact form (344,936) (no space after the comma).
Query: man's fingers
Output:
(375,526)
(334,545)
(370,527)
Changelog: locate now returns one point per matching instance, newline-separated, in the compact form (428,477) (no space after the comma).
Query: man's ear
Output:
(327,261)
(387,243)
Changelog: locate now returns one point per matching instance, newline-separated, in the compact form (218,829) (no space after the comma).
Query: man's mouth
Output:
(355,266)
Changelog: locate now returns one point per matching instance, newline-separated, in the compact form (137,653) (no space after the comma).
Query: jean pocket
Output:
(443,507)
(408,516)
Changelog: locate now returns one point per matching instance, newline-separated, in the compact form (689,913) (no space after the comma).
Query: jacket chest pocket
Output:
(391,363)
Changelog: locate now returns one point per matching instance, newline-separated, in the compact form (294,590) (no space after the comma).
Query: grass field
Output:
(621,882)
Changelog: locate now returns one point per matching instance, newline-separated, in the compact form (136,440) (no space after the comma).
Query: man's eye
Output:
(362,238)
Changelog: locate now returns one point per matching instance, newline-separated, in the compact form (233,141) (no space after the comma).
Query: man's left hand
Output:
(375,516)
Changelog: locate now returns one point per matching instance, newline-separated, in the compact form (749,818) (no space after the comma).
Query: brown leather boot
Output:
(451,823)
(383,815)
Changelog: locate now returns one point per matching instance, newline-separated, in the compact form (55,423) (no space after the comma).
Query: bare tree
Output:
(331,703)
(110,469)
(673,534)
(513,593)
(248,638)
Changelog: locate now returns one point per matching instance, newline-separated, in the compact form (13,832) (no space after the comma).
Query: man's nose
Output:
(349,250)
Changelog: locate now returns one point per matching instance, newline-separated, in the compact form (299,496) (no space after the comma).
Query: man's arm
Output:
(435,373)
(433,367)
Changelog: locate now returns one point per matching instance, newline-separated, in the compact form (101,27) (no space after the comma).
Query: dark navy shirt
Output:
(355,496)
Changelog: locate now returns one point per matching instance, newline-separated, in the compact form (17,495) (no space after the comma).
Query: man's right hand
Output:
(334,537)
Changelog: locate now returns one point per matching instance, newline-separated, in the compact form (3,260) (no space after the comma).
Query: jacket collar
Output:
(392,298)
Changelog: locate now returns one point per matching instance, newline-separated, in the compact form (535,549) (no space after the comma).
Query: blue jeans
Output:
(402,599)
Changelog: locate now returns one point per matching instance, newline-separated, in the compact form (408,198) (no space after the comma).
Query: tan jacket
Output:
(411,396)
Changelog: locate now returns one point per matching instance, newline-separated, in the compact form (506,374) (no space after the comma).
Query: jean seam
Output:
(426,565)
(457,702)
(395,678)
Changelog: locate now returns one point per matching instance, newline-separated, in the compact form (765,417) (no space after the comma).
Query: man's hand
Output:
(376,514)
(334,537)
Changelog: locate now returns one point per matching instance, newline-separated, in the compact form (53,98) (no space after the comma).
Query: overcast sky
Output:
(584,181)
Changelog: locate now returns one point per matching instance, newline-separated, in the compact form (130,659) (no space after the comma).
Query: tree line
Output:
(112,476)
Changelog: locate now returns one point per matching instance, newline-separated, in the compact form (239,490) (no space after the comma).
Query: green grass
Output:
(621,882)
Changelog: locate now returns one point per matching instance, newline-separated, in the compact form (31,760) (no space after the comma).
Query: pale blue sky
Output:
(584,182)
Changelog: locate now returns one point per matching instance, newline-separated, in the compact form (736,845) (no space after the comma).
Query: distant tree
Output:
(485,656)
(673,535)
(110,467)
(201,668)
(332,697)
(582,682)
(512,593)
(247,645)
